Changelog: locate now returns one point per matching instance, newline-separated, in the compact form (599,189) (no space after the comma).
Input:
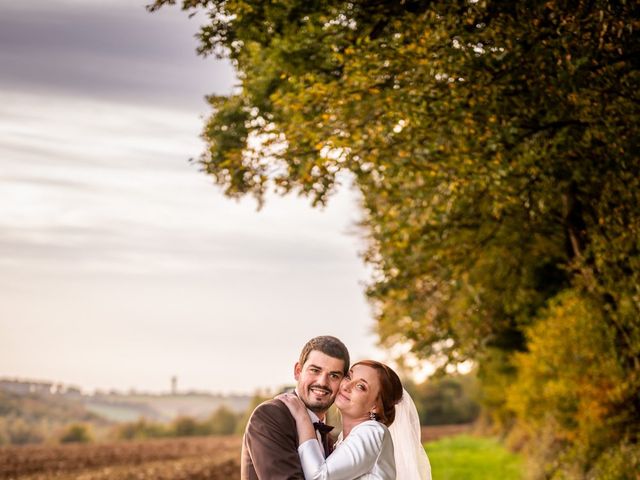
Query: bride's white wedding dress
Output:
(372,451)
(367,453)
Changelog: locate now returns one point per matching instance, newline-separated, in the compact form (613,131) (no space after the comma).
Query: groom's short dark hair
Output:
(329,346)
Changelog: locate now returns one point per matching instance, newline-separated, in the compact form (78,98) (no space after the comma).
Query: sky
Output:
(121,264)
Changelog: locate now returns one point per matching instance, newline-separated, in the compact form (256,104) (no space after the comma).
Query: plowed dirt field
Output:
(206,458)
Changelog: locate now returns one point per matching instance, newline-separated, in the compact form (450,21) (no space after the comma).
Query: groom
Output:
(270,443)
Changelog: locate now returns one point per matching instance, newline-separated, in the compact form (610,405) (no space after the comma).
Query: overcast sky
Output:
(120,263)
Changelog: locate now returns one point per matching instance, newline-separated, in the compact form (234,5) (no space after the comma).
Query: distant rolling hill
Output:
(124,408)
(35,411)
(52,408)
(24,397)
(33,418)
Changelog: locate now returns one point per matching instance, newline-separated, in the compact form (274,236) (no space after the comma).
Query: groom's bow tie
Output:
(322,427)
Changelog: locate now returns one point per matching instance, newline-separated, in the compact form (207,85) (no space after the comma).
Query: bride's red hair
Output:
(390,390)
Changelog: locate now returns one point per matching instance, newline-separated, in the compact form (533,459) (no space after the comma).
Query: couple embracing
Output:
(286,438)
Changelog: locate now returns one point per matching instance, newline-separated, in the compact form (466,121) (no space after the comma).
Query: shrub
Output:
(20,432)
(186,427)
(447,400)
(140,429)
(567,396)
(76,433)
(223,421)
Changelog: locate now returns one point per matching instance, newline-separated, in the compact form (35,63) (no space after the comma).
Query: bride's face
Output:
(359,392)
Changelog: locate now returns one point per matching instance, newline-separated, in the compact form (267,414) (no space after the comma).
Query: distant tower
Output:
(174,385)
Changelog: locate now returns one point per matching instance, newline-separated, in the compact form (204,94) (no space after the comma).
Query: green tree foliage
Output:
(495,145)
(18,431)
(140,429)
(76,433)
(186,427)
(223,421)
(446,400)
(571,396)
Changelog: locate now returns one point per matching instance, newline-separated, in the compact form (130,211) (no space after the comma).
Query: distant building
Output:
(174,385)
(21,387)
(31,387)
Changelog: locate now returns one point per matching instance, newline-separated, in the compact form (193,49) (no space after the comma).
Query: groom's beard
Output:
(317,398)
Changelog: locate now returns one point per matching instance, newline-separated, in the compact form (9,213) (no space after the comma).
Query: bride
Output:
(380,439)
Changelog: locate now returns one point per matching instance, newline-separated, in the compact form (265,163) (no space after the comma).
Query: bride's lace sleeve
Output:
(354,457)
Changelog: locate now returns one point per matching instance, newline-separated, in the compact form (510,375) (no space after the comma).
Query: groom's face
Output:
(319,380)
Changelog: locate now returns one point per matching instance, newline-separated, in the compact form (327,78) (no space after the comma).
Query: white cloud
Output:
(120,263)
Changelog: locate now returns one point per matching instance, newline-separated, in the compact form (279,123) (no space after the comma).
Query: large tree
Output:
(495,144)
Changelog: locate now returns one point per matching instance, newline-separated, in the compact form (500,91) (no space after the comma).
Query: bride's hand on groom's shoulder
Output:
(294,404)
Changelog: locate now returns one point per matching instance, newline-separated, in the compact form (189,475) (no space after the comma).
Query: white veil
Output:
(412,462)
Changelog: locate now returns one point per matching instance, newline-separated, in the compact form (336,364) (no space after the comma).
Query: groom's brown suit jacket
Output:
(270,445)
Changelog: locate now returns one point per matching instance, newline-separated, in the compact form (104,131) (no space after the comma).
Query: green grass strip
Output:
(472,458)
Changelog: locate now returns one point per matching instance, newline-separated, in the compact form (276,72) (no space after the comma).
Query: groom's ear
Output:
(296,371)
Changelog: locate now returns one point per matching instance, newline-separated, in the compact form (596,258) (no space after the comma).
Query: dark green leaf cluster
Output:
(447,400)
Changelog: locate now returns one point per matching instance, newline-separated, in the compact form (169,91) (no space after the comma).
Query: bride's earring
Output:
(372,416)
